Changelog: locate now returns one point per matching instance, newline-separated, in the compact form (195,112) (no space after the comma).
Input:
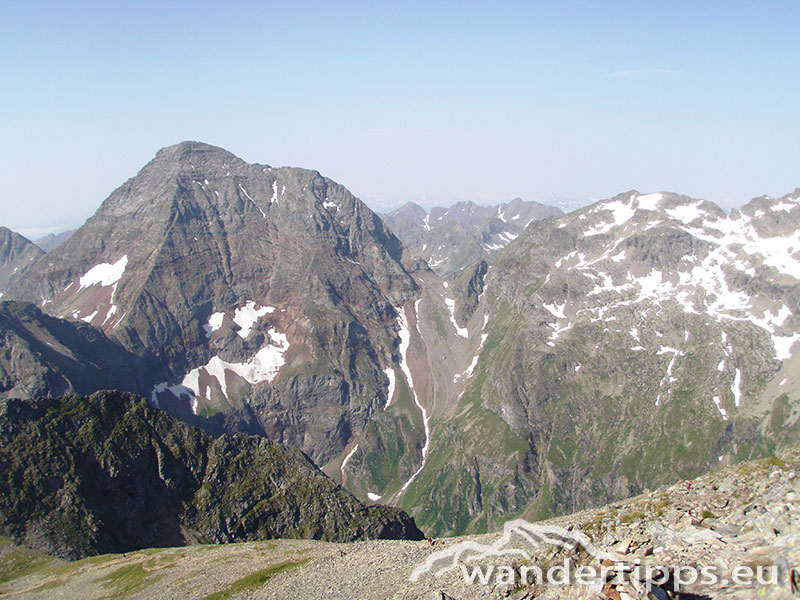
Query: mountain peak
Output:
(194,155)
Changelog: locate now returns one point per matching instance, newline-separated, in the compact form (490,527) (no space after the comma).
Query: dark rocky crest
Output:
(107,473)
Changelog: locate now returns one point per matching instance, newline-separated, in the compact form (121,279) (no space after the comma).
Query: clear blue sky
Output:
(431,102)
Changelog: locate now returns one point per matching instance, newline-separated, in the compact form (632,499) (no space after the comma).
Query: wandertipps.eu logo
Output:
(522,541)
(515,533)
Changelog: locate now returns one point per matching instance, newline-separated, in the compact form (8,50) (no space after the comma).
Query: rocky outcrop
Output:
(16,255)
(468,288)
(42,355)
(107,473)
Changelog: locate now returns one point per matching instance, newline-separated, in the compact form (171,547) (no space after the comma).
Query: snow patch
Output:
(736,387)
(214,323)
(90,317)
(621,213)
(373,497)
(783,345)
(451,305)
(686,213)
(785,206)
(111,312)
(392,385)
(508,237)
(649,201)
(244,191)
(474,363)
(248,315)
(556,310)
(668,350)
(347,459)
(721,410)
(104,274)
(405,339)
(264,365)
(274,199)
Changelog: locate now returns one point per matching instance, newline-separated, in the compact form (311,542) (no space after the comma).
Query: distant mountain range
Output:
(52,241)
(467,364)
(451,239)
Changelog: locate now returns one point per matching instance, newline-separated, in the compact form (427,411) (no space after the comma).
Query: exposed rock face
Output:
(16,254)
(642,339)
(260,298)
(42,355)
(451,239)
(107,473)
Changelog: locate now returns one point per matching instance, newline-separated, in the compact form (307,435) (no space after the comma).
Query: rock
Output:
(17,254)
(624,547)
(107,473)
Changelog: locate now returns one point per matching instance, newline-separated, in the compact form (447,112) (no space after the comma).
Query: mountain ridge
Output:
(451,239)
(272,301)
(107,473)
(607,341)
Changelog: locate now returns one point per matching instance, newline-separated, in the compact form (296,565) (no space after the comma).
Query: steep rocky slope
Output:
(107,473)
(636,341)
(16,254)
(453,238)
(260,299)
(42,355)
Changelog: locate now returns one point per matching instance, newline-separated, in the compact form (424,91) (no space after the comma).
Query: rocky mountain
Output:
(631,343)
(17,253)
(453,238)
(48,356)
(108,473)
(260,299)
(53,240)
(643,339)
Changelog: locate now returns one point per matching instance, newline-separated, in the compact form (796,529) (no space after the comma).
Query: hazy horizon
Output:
(432,103)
